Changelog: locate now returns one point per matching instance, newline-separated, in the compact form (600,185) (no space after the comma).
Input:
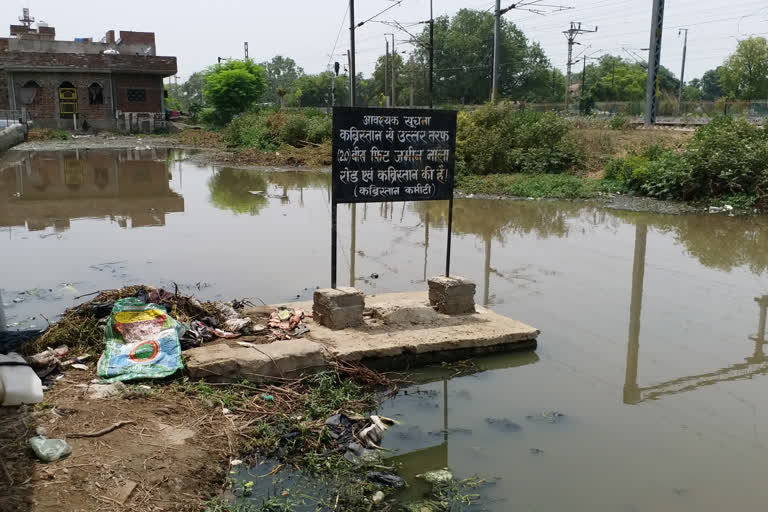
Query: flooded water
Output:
(653,326)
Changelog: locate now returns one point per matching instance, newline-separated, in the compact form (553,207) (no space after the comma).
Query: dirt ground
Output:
(172,457)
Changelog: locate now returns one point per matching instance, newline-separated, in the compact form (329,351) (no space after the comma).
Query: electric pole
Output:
(496,36)
(386,73)
(682,72)
(571,35)
(431,49)
(654,58)
(352,88)
(392,68)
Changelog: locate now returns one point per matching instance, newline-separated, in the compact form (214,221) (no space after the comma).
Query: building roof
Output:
(87,63)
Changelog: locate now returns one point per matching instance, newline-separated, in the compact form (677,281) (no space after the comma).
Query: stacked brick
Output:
(338,308)
(452,295)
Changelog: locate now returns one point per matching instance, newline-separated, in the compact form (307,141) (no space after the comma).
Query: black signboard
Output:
(392,154)
(389,154)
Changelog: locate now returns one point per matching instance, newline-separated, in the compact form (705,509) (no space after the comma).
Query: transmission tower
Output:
(571,34)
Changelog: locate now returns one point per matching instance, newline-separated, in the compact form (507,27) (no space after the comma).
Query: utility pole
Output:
(654,58)
(682,72)
(336,67)
(392,68)
(386,73)
(246,49)
(431,49)
(571,35)
(496,36)
(352,78)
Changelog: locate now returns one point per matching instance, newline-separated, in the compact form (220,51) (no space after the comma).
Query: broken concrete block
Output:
(338,308)
(452,295)
(230,362)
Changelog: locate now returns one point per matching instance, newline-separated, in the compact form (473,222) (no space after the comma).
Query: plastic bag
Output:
(49,450)
(141,342)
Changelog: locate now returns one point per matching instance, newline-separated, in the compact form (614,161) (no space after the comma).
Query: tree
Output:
(232,87)
(710,84)
(192,92)
(463,61)
(280,73)
(744,74)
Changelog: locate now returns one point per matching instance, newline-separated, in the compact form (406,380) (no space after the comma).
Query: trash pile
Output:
(286,323)
(359,437)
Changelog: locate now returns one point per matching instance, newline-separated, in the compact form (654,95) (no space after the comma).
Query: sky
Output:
(316,32)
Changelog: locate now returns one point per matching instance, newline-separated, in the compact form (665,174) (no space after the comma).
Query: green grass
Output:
(555,186)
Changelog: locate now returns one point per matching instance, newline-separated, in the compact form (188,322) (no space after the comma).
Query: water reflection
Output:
(756,364)
(48,189)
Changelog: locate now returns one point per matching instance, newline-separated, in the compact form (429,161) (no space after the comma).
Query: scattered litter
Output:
(503,424)
(124,492)
(286,323)
(47,357)
(378,497)
(224,334)
(80,366)
(18,382)
(225,411)
(235,462)
(547,417)
(268,398)
(141,341)
(144,386)
(49,450)
(18,300)
(359,437)
(102,391)
(440,476)
(385,479)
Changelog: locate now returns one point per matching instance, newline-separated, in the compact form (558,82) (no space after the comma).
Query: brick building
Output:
(115,83)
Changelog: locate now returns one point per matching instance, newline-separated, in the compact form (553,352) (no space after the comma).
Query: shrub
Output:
(619,122)
(503,139)
(294,130)
(726,158)
(267,129)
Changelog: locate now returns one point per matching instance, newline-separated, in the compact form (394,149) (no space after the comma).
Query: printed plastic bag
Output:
(141,342)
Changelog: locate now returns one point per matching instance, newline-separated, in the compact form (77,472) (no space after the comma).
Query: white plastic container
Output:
(18,384)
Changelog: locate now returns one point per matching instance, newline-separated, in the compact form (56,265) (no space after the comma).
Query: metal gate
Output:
(67,100)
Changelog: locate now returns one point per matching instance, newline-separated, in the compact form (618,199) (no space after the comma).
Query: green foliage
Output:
(503,139)
(745,73)
(231,88)
(280,73)
(619,122)
(726,158)
(266,129)
(554,186)
(60,135)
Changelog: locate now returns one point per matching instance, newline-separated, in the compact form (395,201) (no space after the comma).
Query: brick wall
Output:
(129,37)
(31,61)
(3,44)
(4,103)
(153,85)
(46,105)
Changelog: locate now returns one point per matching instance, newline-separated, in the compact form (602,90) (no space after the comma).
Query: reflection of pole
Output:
(763,303)
(631,391)
(2,314)
(353,243)
(445,410)
(426,242)
(487,276)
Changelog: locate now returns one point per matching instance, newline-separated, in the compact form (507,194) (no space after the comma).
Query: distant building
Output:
(111,84)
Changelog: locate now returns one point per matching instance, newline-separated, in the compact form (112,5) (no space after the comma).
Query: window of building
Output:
(137,95)
(95,94)
(30,92)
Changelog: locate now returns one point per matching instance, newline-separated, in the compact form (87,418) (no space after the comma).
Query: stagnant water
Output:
(652,326)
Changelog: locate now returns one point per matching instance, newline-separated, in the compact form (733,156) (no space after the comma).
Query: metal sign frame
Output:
(394,145)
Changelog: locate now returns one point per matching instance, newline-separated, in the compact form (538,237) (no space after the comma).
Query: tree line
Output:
(463,55)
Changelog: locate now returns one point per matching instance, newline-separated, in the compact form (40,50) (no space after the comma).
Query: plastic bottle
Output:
(18,382)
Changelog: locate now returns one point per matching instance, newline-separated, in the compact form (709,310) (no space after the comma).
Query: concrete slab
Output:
(400,330)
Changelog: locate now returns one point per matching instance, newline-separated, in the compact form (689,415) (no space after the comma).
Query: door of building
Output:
(67,100)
